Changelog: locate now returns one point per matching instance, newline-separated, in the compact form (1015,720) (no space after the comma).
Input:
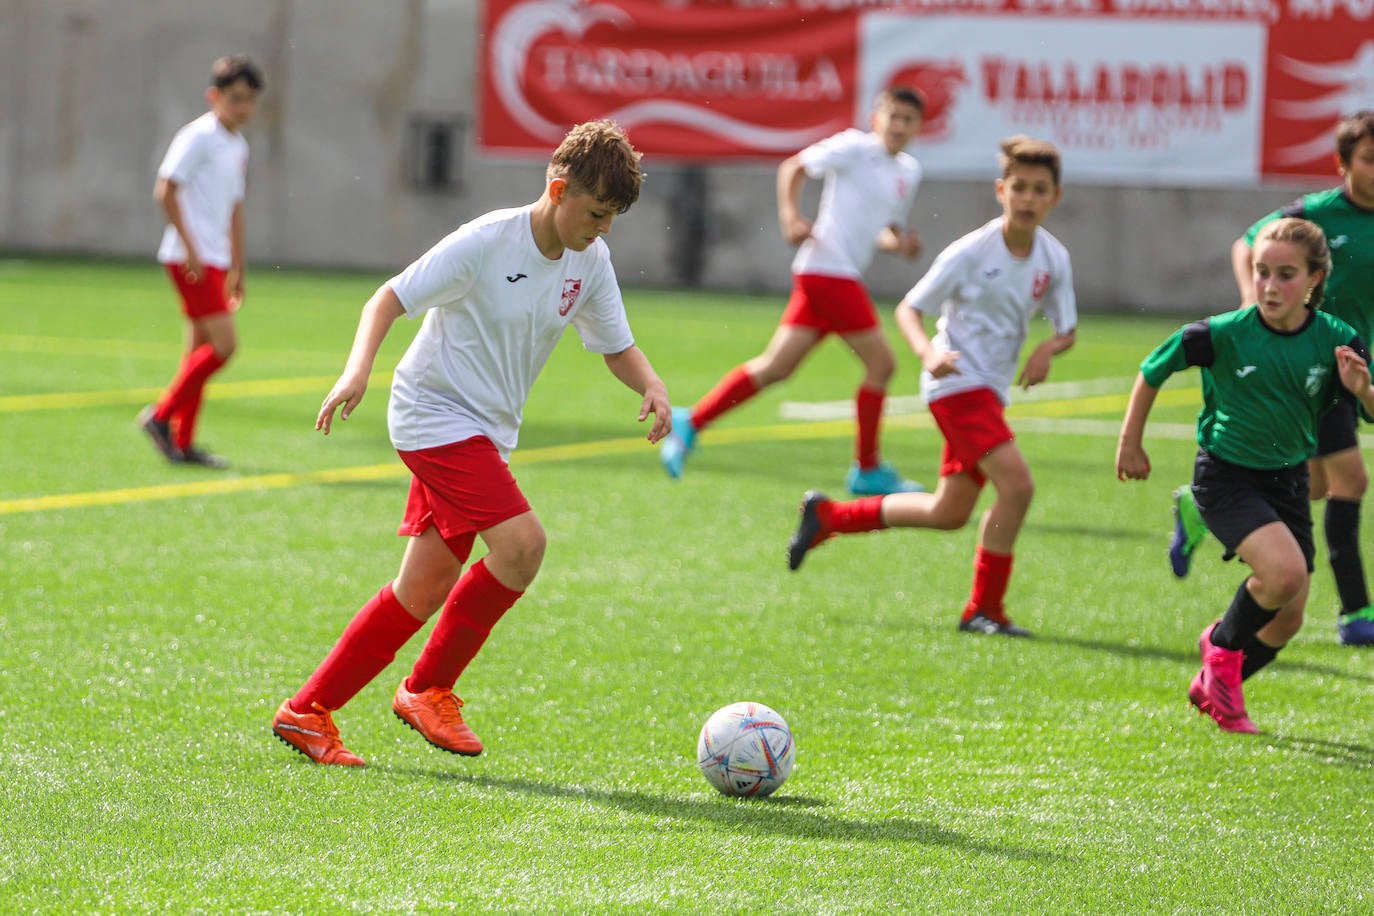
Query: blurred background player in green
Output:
(1270,372)
(869,182)
(1338,473)
(200,187)
(985,287)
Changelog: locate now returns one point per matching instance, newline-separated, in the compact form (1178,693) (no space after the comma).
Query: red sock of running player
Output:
(863,514)
(195,370)
(868,409)
(368,645)
(472,609)
(991,572)
(731,391)
(184,421)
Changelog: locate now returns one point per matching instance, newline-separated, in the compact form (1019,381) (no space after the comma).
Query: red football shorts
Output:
(461,489)
(973,423)
(830,304)
(203,298)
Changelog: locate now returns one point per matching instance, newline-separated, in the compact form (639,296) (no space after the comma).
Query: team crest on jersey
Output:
(1316,379)
(1040,284)
(571,288)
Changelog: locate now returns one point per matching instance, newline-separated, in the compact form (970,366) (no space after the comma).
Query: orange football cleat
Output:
(436,713)
(314,734)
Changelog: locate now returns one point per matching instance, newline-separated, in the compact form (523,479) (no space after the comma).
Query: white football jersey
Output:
(209,164)
(985,297)
(494,308)
(865,190)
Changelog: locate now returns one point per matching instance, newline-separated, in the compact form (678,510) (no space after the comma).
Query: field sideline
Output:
(152,617)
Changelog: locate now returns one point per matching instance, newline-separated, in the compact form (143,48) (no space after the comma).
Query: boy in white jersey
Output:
(985,286)
(496,296)
(869,185)
(200,187)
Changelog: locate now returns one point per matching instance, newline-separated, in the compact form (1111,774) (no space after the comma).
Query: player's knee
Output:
(422,598)
(1283,581)
(522,556)
(1016,490)
(879,369)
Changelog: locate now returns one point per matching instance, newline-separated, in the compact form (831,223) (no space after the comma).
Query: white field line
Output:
(906,404)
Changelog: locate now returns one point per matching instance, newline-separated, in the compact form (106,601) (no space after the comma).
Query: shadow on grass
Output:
(1189,656)
(1093,532)
(1340,753)
(786,815)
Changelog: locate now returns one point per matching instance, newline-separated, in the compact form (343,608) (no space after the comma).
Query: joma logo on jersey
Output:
(1040,284)
(571,289)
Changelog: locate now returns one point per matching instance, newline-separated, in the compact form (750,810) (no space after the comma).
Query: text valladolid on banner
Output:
(1163,92)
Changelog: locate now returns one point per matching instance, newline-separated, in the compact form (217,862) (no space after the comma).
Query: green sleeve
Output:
(1164,360)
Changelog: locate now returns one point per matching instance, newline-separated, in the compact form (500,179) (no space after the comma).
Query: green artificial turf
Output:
(152,617)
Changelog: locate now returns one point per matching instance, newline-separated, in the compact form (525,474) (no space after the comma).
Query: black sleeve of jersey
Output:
(1297,208)
(1197,344)
(1358,346)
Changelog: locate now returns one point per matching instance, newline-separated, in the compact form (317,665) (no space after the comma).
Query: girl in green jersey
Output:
(1270,372)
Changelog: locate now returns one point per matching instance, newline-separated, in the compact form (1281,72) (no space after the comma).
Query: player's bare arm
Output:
(1354,373)
(238,268)
(632,367)
(939,363)
(166,193)
(1132,463)
(791,177)
(1037,367)
(379,314)
(895,240)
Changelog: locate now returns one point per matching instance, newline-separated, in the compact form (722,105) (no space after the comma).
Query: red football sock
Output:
(863,514)
(731,391)
(991,572)
(868,408)
(368,645)
(472,609)
(184,421)
(196,369)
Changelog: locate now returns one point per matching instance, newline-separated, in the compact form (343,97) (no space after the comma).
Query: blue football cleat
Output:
(1189,530)
(679,444)
(1357,627)
(879,480)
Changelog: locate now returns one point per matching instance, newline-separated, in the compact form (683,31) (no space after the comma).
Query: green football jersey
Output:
(1263,390)
(1350,233)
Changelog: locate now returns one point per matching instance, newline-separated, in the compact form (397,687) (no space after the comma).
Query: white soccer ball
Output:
(746,749)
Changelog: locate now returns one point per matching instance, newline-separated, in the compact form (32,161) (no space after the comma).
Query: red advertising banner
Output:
(688,80)
(1153,92)
(1320,66)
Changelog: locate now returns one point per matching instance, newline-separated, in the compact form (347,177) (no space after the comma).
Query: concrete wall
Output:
(91,91)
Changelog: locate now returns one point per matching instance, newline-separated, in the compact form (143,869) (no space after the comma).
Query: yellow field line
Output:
(569,452)
(140,349)
(320,384)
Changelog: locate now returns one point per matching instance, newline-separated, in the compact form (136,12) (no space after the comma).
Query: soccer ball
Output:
(746,749)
